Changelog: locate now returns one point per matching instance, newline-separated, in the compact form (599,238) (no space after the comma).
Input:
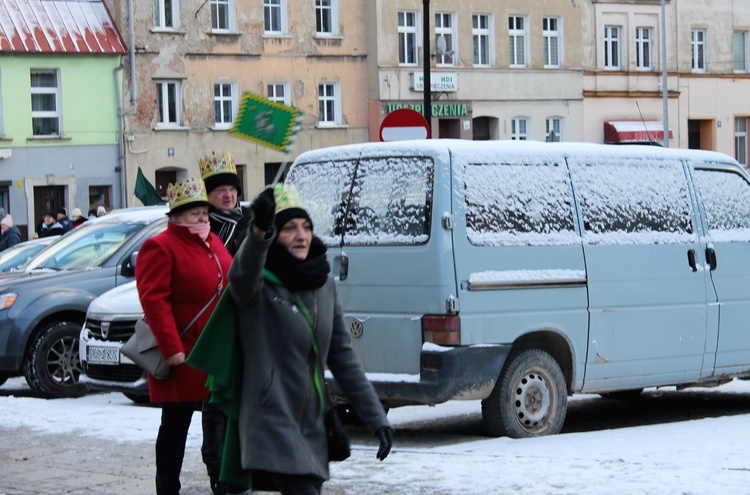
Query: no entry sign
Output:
(403,124)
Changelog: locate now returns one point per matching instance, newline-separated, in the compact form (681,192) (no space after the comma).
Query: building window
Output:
(518,129)
(480,32)
(169,103)
(643,45)
(407,38)
(326,17)
(45,103)
(275,16)
(222,15)
(279,92)
(698,48)
(166,14)
(551,41)
(99,196)
(553,129)
(444,34)
(517,38)
(740,140)
(329,104)
(225,103)
(739,52)
(612,47)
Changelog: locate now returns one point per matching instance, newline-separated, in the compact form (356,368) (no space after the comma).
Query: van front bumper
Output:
(446,373)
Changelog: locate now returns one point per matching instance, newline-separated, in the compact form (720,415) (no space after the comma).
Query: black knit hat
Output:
(226,179)
(288,205)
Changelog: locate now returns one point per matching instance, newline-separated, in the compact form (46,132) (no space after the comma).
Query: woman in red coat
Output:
(180,274)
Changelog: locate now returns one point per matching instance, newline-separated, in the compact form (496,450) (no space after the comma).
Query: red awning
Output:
(633,131)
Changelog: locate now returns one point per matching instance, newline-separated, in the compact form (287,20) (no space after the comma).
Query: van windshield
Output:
(371,201)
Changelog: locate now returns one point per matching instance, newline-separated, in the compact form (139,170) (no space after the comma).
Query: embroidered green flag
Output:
(267,122)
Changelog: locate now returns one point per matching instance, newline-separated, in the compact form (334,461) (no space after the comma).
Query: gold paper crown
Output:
(214,164)
(186,192)
(287,197)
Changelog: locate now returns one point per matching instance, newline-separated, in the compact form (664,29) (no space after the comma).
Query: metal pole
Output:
(426,62)
(664,89)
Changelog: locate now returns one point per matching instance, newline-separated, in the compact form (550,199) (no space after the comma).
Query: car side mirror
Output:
(128,268)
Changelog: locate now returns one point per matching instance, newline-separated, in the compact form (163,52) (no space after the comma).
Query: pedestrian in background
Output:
(92,213)
(10,233)
(77,217)
(180,274)
(62,219)
(290,325)
(50,226)
(101,211)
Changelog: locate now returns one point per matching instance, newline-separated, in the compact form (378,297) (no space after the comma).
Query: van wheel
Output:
(52,366)
(529,398)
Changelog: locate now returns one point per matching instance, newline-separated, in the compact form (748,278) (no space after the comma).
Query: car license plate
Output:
(103,355)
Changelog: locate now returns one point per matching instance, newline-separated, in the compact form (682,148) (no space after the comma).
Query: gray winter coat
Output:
(281,423)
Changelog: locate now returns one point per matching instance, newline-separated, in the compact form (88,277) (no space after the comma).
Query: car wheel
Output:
(52,367)
(529,399)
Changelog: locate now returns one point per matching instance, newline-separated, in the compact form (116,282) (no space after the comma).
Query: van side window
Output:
(639,202)
(726,200)
(518,204)
(390,204)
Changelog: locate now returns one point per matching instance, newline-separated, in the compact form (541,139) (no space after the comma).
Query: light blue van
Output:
(519,273)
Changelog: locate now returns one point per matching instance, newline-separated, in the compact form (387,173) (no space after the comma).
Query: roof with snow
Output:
(58,27)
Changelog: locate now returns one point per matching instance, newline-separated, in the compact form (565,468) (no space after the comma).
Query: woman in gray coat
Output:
(280,284)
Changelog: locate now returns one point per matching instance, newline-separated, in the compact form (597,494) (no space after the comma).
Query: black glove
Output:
(264,208)
(385,435)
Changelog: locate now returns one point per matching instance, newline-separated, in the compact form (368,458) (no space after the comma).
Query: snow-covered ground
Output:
(704,456)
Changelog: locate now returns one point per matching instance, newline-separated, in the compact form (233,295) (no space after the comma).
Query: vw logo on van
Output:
(356,328)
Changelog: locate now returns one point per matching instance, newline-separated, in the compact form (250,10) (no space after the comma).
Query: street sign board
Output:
(403,124)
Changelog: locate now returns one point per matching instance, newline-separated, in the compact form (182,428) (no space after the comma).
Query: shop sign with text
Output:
(439,81)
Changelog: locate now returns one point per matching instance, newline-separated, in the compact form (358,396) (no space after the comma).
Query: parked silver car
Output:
(43,307)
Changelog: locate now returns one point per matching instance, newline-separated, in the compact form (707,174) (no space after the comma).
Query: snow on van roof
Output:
(536,148)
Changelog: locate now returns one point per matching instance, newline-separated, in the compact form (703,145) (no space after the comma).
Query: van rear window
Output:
(518,204)
(370,201)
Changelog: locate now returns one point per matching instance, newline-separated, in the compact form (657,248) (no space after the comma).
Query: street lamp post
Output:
(426,62)
(664,89)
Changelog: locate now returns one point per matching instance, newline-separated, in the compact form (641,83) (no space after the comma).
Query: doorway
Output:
(701,134)
(449,129)
(46,199)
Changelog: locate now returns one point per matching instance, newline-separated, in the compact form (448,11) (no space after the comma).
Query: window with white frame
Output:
(553,129)
(445,31)
(46,117)
(329,104)
(517,40)
(551,41)
(519,128)
(222,15)
(481,35)
(169,103)
(612,47)
(326,17)
(279,92)
(407,38)
(225,104)
(166,14)
(643,44)
(740,140)
(740,51)
(275,16)
(698,49)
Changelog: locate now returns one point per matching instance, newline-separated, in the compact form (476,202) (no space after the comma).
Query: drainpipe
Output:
(122,112)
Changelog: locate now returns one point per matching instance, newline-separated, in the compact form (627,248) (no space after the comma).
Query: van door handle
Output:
(344,267)
(711,258)
(691,260)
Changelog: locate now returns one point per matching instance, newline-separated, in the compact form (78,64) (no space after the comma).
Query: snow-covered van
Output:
(520,273)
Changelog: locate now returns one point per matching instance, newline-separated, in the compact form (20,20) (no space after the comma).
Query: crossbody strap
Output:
(216,294)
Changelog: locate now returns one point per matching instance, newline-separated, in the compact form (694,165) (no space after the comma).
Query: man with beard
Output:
(229,220)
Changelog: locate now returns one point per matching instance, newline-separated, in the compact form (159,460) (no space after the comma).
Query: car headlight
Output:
(7,300)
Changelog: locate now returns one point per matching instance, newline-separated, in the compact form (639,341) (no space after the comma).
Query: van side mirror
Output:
(128,268)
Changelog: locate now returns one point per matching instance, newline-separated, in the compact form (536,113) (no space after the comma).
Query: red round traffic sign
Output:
(402,124)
